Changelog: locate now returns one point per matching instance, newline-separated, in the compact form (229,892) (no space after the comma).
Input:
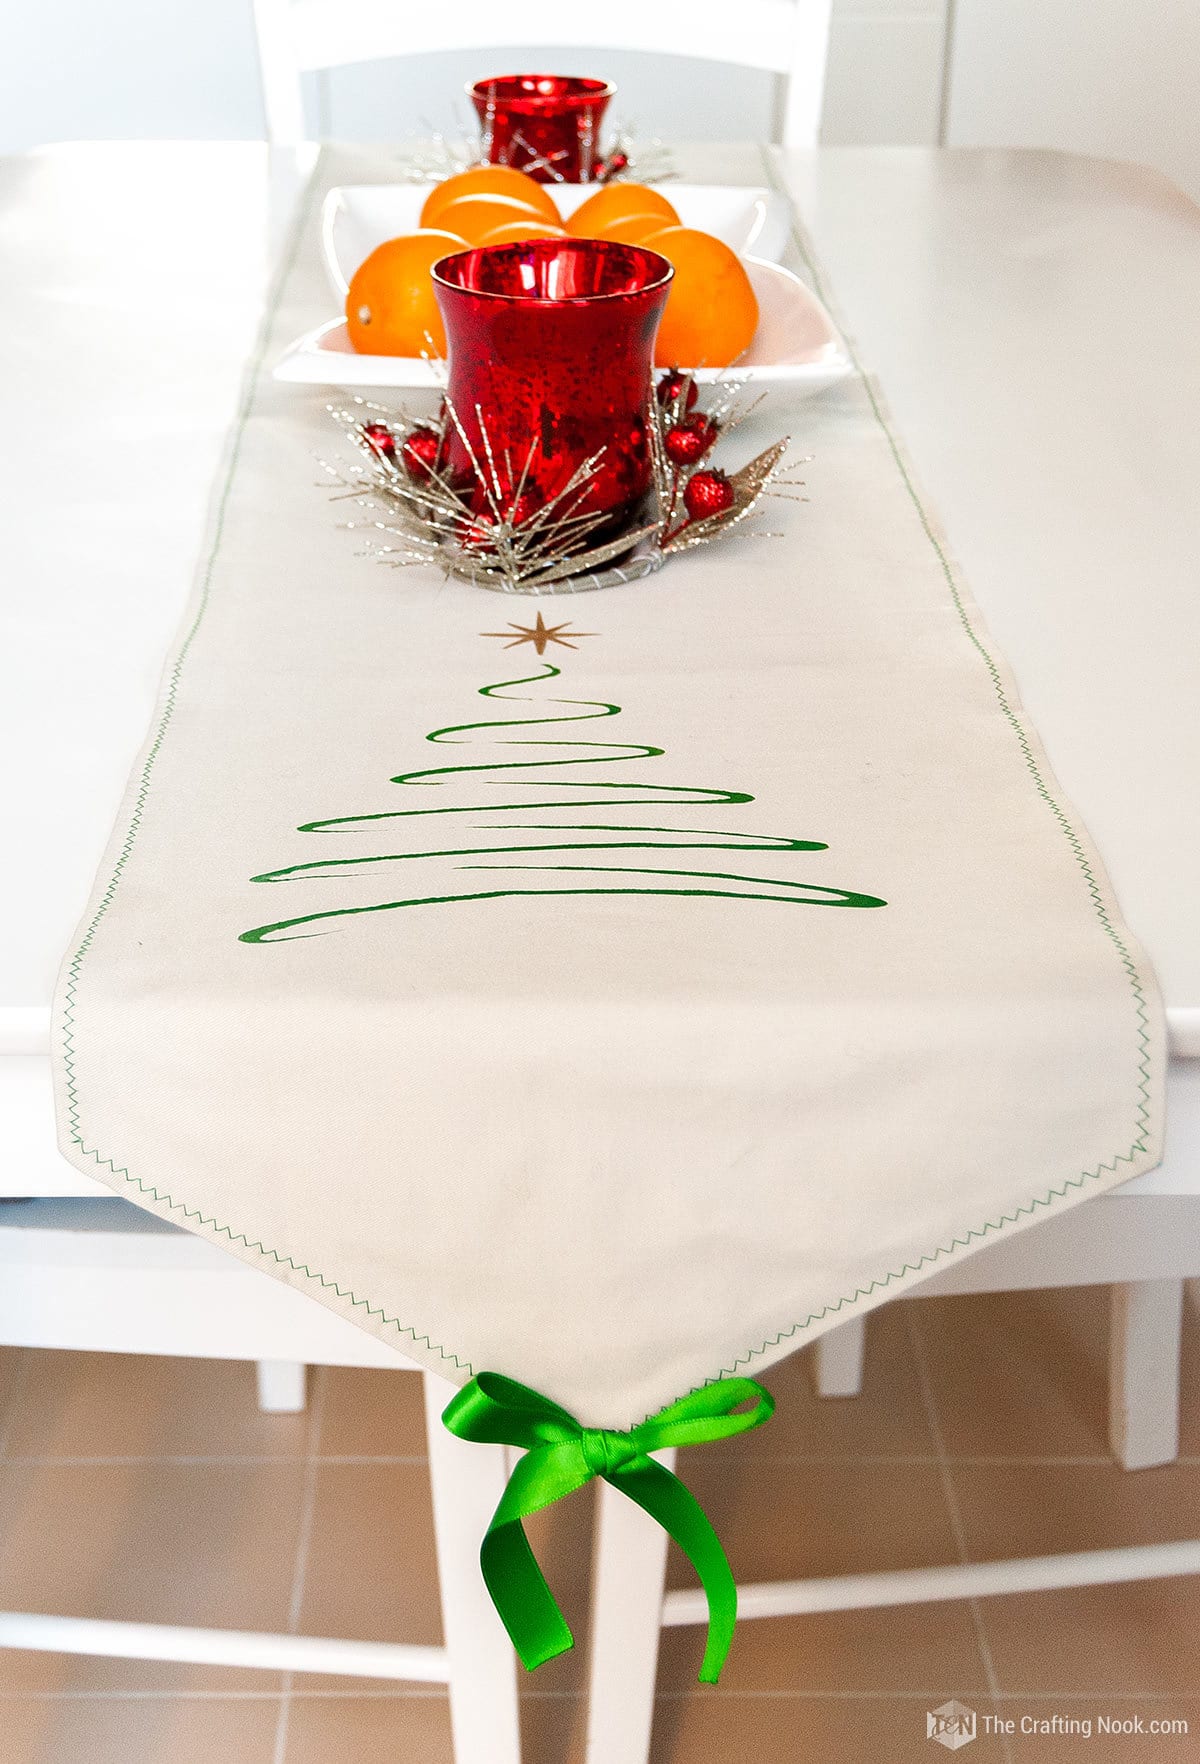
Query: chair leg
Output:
(628,1573)
(468,1481)
(1143,1385)
(281,1386)
(838,1358)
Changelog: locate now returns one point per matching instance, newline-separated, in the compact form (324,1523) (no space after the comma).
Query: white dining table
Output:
(1031,317)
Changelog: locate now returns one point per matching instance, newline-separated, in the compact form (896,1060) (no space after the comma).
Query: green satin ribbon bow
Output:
(561,1456)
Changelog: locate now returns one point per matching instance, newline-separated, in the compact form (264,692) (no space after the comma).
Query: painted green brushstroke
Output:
(621,792)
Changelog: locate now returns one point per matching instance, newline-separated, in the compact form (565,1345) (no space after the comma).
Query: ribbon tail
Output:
(677,1510)
(527,1608)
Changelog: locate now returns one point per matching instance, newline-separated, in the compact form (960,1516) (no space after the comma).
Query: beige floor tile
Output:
(1019,1374)
(372,1569)
(134,1405)
(888,1417)
(368,1730)
(1060,1743)
(162,1730)
(169,1543)
(371,1413)
(553,1729)
(1015,1376)
(710,1727)
(781,1521)
(1140,1637)
(907,1649)
(819,1519)
(718,1729)
(415,1729)
(1189,1385)
(12,1362)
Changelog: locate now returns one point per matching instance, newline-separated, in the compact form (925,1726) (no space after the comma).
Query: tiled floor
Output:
(154,1489)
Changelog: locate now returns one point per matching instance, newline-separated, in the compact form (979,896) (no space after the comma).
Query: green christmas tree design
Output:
(598,854)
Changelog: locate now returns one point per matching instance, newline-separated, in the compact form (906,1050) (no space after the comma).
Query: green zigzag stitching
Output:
(1142,1111)
(343,1292)
(68,1039)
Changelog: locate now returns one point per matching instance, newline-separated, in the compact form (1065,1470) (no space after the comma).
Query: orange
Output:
(712,313)
(631,229)
(489,180)
(473,216)
(390,304)
(613,202)
(516,232)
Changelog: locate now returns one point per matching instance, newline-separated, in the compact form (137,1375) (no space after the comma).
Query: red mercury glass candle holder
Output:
(551,346)
(545,124)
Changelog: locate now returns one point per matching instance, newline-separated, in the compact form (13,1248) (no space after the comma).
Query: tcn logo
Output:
(952,1726)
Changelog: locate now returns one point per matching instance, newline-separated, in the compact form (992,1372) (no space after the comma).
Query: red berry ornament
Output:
(612,167)
(379,439)
(688,442)
(671,389)
(419,450)
(708,493)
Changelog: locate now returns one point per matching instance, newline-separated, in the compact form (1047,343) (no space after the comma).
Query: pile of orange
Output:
(711,313)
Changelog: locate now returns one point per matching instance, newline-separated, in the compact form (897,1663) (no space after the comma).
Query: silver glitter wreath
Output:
(409,518)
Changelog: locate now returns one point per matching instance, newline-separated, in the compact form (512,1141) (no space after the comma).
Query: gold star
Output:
(539,635)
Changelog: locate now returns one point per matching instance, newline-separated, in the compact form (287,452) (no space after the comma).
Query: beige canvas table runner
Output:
(616,1002)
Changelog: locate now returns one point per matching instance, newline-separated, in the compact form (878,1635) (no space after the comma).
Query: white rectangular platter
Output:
(358,217)
(796,343)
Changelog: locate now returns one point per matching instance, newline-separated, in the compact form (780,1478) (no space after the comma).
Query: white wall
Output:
(186,68)
(1118,77)
(1114,77)
(126,69)
(886,72)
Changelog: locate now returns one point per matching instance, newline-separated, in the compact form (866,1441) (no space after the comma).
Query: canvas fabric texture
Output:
(535,1010)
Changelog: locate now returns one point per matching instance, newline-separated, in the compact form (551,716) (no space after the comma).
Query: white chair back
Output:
(787,37)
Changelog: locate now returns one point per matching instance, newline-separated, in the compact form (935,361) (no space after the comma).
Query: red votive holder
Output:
(545,124)
(551,346)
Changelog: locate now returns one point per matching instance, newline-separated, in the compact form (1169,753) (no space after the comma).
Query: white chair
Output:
(103,1275)
(789,38)
(1145,1337)
(1144,1242)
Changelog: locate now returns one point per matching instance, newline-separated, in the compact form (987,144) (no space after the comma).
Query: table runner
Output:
(612,991)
